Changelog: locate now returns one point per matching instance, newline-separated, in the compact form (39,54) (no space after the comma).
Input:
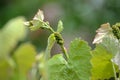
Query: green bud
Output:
(116,30)
(59,38)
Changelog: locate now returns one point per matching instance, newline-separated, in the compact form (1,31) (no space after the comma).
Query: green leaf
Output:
(111,44)
(78,66)
(58,69)
(51,41)
(60,26)
(25,57)
(12,32)
(42,66)
(6,70)
(102,65)
(56,66)
(79,59)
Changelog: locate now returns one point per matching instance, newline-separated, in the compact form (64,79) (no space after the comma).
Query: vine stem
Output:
(59,40)
(49,28)
(64,52)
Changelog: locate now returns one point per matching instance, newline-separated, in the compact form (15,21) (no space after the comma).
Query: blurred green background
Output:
(80,17)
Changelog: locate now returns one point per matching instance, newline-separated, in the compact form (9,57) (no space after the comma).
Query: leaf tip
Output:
(39,15)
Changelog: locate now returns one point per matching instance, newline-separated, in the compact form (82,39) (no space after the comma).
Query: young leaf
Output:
(79,59)
(12,32)
(39,15)
(112,45)
(25,57)
(104,30)
(102,65)
(37,22)
(60,26)
(109,38)
(51,41)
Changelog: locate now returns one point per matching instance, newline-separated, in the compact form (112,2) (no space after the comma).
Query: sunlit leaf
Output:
(109,38)
(112,45)
(12,32)
(25,57)
(102,64)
